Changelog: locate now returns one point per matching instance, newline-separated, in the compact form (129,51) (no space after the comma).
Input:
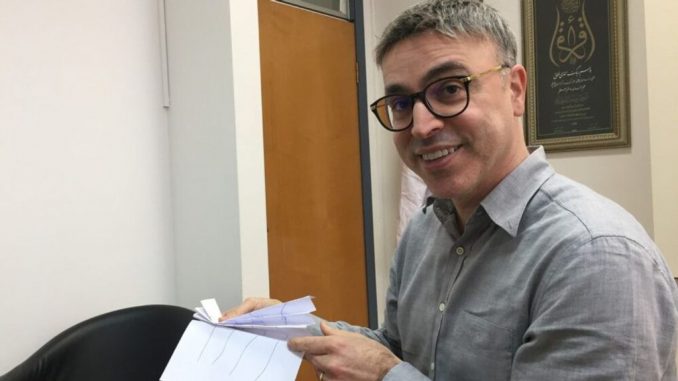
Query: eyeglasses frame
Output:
(420,95)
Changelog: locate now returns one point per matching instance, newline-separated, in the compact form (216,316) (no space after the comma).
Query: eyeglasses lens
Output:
(444,98)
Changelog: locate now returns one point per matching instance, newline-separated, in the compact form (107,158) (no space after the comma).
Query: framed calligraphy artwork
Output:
(576,60)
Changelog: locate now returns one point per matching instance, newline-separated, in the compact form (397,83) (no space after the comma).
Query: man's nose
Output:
(424,123)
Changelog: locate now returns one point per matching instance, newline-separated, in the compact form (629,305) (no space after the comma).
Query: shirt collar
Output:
(446,213)
(506,203)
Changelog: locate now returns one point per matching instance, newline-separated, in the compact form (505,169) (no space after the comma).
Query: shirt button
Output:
(460,250)
(433,366)
(441,307)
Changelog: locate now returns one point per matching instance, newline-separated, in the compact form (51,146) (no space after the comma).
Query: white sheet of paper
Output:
(299,306)
(292,314)
(215,353)
(211,309)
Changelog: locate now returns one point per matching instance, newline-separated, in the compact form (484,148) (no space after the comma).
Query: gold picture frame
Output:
(577,67)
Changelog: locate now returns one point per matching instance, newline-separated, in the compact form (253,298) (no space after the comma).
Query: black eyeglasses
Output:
(445,98)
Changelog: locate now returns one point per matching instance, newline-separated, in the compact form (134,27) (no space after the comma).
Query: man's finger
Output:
(248,305)
(311,345)
(236,311)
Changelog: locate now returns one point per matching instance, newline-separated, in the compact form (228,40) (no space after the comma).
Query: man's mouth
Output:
(438,154)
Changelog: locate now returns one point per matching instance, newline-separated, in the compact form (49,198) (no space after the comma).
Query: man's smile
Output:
(430,156)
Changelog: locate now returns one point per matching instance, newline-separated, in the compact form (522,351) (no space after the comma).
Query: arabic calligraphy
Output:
(569,81)
(572,97)
(573,41)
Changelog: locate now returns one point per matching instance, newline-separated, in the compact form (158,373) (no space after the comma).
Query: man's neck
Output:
(465,208)
(463,215)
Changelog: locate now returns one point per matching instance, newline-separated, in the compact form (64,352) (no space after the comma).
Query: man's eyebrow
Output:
(395,89)
(433,74)
(444,68)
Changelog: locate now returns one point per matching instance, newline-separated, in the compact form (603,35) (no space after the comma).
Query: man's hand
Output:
(341,355)
(248,305)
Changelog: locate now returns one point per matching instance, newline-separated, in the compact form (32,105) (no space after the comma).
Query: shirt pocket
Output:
(478,349)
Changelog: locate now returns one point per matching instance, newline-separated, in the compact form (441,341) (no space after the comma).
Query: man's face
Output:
(464,157)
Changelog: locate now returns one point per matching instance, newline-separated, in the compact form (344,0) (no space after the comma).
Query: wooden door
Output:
(312,161)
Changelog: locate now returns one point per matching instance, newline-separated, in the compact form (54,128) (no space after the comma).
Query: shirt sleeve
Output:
(604,311)
(388,334)
(404,371)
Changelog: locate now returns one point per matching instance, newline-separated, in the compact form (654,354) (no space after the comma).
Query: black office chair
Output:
(132,344)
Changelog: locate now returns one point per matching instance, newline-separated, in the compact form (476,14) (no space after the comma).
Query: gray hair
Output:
(452,18)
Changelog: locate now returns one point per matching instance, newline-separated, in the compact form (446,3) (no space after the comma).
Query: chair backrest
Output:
(132,344)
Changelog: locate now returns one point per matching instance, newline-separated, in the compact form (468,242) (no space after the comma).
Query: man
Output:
(512,272)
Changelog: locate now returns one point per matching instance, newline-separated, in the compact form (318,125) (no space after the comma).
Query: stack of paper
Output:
(249,347)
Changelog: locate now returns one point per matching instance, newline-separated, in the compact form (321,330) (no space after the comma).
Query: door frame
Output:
(366,180)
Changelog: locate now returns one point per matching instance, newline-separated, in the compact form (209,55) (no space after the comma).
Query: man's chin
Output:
(440,192)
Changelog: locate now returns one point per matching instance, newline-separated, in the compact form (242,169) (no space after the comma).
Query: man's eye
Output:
(451,88)
(448,89)
(399,104)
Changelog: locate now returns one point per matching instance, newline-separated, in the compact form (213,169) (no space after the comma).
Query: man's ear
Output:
(518,87)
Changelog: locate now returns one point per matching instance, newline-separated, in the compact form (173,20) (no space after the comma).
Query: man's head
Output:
(452,18)
(455,96)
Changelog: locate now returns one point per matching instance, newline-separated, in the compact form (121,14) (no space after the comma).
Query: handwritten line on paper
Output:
(223,349)
(242,354)
(208,340)
(247,348)
(269,360)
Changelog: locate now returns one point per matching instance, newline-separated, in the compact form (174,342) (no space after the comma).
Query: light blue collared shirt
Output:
(548,281)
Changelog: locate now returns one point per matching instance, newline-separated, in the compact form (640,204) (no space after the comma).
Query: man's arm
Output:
(605,311)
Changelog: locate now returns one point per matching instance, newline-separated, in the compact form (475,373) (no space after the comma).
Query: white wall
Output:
(84,170)
(662,82)
(385,163)
(217,150)
(203,151)
(249,132)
